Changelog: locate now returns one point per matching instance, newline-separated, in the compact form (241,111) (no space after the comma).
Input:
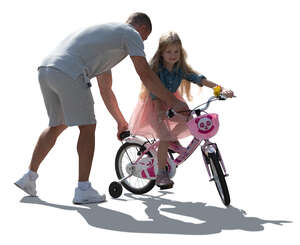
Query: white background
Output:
(251,47)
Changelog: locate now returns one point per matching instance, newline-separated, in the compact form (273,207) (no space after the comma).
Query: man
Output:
(64,78)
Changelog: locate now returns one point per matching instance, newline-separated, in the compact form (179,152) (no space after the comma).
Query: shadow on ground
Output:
(211,219)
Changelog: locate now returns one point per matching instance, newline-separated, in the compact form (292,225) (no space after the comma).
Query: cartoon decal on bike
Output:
(136,159)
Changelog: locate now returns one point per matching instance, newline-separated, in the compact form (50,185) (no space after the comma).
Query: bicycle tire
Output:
(126,184)
(219,178)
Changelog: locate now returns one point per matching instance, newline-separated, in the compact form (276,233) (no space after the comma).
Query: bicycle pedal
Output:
(165,187)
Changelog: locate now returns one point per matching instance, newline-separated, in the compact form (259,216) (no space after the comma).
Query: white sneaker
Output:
(27,184)
(88,196)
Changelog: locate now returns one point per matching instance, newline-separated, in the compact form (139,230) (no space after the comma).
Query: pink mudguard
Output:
(205,126)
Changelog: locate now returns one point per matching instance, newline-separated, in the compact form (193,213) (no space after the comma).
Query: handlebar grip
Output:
(124,135)
(171,113)
(222,97)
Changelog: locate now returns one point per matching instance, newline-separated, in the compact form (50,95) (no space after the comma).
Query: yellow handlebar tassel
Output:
(217,90)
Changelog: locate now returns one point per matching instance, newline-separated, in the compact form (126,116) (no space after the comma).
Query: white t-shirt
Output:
(94,50)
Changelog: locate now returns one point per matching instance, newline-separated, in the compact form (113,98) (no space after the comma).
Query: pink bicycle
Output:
(136,159)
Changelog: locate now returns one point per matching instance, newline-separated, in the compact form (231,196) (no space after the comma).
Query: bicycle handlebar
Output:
(171,113)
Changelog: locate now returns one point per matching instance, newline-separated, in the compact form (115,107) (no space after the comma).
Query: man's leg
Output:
(85,149)
(84,193)
(45,143)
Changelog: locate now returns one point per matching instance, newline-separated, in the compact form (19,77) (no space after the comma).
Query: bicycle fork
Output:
(211,148)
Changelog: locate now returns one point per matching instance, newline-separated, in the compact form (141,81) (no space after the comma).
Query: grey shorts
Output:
(67,101)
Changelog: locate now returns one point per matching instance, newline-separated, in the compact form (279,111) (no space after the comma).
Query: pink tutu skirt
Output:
(149,120)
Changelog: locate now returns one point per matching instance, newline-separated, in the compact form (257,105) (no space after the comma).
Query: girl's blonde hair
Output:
(165,40)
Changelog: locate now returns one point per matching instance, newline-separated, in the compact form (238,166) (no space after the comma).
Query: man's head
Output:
(142,23)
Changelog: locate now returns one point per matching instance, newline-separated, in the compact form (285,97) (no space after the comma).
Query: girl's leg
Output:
(45,143)
(180,126)
(162,154)
(181,120)
(163,179)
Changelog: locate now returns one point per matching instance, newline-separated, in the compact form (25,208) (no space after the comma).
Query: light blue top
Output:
(172,80)
(94,50)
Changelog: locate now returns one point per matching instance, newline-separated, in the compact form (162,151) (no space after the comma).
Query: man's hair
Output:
(140,19)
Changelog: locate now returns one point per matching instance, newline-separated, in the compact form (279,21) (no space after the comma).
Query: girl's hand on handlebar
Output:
(218,90)
(227,93)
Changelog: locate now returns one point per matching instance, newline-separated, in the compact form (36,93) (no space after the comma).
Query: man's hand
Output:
(121,128)
(180,106)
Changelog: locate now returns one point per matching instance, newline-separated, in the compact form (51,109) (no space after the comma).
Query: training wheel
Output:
(115,189)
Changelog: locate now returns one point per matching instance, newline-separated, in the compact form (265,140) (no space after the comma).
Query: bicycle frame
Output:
(202,127)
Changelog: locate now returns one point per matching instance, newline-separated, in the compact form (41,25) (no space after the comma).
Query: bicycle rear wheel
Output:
(128,153)
(219,178)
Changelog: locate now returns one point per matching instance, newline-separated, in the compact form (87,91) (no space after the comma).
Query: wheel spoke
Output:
(129,154)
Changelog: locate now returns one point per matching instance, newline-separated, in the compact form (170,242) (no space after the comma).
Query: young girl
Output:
(149,118)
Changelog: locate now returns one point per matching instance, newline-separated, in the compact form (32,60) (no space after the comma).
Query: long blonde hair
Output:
(165,40)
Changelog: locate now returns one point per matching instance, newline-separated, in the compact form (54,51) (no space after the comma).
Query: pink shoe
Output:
(163,181)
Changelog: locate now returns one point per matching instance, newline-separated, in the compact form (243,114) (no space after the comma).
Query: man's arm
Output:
(110,101)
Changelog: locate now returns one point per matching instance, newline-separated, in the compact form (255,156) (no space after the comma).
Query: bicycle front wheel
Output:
(127,154)
(219,178)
